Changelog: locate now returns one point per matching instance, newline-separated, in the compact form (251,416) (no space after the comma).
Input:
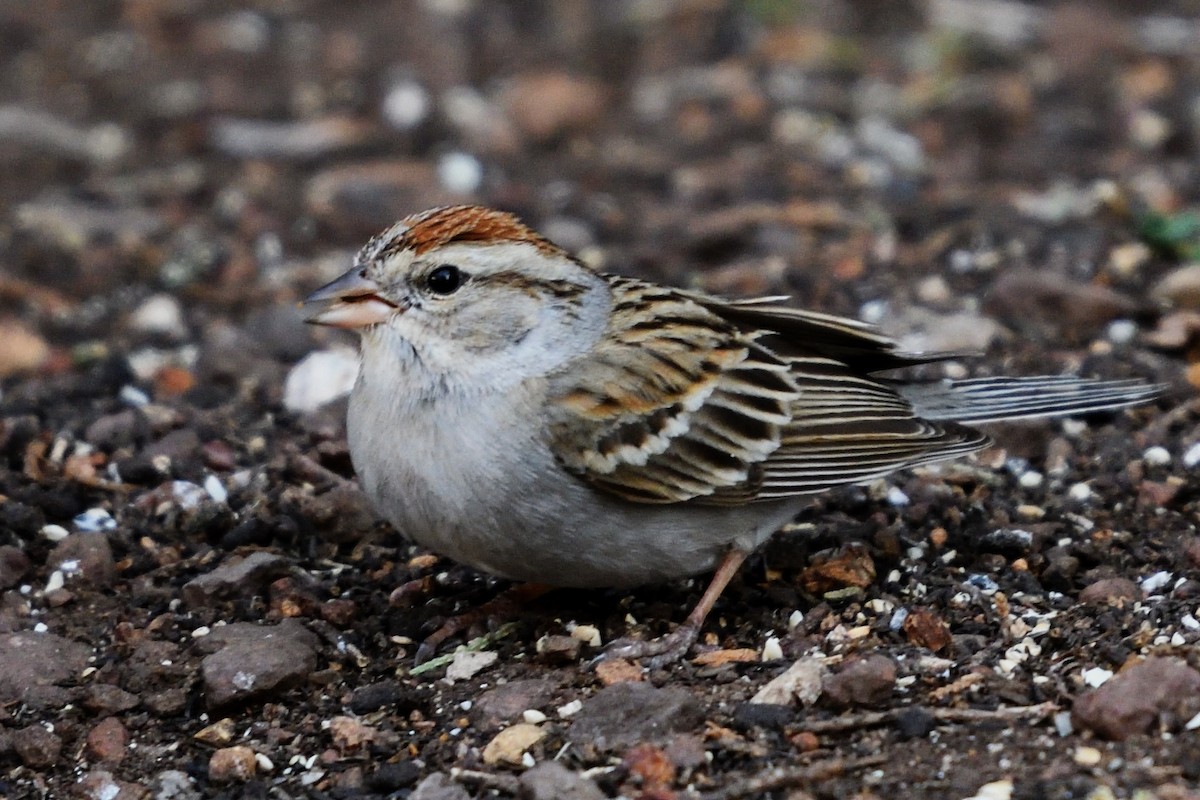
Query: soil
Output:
(195,599)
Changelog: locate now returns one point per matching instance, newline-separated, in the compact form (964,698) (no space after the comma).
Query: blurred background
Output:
(168,165)
(1020,179)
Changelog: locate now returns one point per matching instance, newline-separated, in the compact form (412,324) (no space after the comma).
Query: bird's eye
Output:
(445,279)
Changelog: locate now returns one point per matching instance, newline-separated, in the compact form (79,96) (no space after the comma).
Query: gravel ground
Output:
(196,600)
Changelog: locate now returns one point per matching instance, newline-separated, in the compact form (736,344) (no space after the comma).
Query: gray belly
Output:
(496,500)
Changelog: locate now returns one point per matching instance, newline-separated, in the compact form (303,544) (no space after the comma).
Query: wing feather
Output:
(685,402)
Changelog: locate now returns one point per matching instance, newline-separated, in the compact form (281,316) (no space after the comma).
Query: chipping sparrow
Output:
(537,420)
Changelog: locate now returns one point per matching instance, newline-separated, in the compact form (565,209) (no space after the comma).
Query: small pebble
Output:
(896,498)
(1080,492)
(533,716)
(1062,723)
(95,520)
(1121,331)
(1157,456)
(772,650)
(1031,479)
(406,105)
(216,490)
(570,709)
(319,378)
(1096,676)
(1191,456)
(133,396)
(1155,582)
(55,533)
(1087,756)
(795,618)
(460,172)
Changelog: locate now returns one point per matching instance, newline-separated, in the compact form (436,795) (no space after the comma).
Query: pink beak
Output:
(351,301)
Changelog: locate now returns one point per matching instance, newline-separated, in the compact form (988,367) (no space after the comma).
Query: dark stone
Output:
(762,715)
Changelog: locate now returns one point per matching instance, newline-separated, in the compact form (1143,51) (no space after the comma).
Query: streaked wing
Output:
(676,404)
(681,404)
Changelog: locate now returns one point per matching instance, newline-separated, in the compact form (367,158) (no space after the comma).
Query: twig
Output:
(505,784)
(786,777)
(482,643)
(872,718)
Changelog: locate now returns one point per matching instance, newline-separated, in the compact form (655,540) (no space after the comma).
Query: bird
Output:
(524,414)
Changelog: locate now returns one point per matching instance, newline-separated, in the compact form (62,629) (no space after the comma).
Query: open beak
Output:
(351,301)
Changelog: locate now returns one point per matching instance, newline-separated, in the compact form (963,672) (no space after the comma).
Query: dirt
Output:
(195,599)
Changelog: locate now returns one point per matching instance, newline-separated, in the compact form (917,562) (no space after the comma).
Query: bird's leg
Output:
(505,604)
(675,645)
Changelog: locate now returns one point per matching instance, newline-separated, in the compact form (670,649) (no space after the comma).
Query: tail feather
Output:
(982,400)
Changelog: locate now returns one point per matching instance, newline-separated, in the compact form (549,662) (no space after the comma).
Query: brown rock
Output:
(558,649)
(550,780)
(439,786)
(21,349)
(1180,288)
(256,661)
(37,747)
(545,106)
(1131,702)
(14,565)
(1025,297)
(349,734)
(850,566)
(617,670)
(231,764)
(505,702)
(925,628)
(234,577)
(100,784)
(510,744)
(108,741)
(624,714)
(104,698)
(862,682)
(88,556)
(29,660)
(1111,591)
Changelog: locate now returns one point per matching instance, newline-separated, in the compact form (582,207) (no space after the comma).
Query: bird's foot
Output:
(656,653)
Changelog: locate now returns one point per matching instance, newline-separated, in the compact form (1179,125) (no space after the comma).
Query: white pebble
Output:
(406,105)
(1096,677)
(527,760)
(1062,723)
(1191,456)
(319,378)
(795,618)
(533,716)
(1121,331)
(159,313)
(55,582)
(1193,723)
(1157,456)
(570,709)
(201,632)
(896,498)
(1031,479)
(188,495)
(1080,492)
(133,396)
(216,489)
(772,650)
(459,172)
(95,520)
(873,311)
(588,634)
(1177,639)
(55,533)
(1156,581)
(897,620)
(41,627)
(1073,427)
(264,763)
(1190,622)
